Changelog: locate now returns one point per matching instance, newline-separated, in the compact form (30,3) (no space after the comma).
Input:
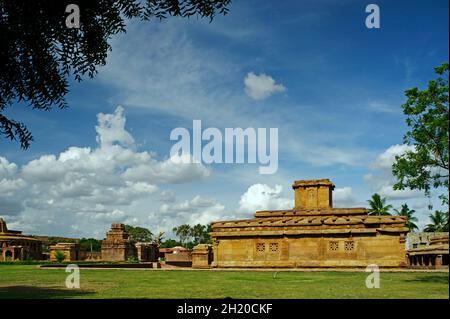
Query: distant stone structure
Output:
(119,246)
(418,240)
(71,251)
(202,256)
(147,251)
(312,234)
(178,256)
(432,255)
(15,246)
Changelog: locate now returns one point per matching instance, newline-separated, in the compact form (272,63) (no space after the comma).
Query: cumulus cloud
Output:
(85,186)
(7,169)
(262,86)
(168,171)
(187,80)
(263,197)
(387,158)
(110,129)
(380,177)
(198,210)
(343,197)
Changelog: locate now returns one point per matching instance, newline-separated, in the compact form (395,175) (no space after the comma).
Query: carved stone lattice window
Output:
(260,247)
(349,245)
(334,245)
(273,247)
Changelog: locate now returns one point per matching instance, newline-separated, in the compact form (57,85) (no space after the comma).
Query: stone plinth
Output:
(202,256)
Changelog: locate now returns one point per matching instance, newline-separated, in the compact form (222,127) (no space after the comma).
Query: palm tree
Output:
(184,232)
(408,213)
(378,205)
(198,232)
(158,238)
(439,222)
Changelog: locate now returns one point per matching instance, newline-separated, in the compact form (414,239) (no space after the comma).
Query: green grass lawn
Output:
(28,281)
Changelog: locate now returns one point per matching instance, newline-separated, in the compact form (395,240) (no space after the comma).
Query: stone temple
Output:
(16,246)
(312,234)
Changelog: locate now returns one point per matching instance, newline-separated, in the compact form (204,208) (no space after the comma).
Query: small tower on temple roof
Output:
(313,194)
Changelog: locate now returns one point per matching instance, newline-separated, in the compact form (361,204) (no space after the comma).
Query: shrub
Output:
(132,260)
(60,256)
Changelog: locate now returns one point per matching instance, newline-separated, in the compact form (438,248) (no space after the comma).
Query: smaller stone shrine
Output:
(147,251)
(118,246)
(202,256)
(70,251)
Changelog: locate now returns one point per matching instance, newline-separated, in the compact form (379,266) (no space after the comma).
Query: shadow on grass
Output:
(431,279)
(27,292)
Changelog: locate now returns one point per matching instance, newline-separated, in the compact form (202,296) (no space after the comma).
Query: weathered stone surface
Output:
(118,246)
(434,255)
(202,256)
(312,234)
(15,246)
(147,252)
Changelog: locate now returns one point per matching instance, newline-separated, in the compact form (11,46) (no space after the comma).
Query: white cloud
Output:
(263,197)
(382,107)
(343,197)
(197,210)
(168,171)
(7,169)
(262,86)
(380,177)
(389,192)
(88,187)
(387,158)
(111,217)
(110,129)
(169,72)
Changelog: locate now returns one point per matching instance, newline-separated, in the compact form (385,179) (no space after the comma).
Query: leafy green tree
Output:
(169,243)
(378,205)
(445,228)
(139,233)
(184,232)
(39,53)
(439,222)
(90,244)
(409,214)
(426,166)
(207,234)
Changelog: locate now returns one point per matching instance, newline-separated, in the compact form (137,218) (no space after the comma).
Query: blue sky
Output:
(338,116)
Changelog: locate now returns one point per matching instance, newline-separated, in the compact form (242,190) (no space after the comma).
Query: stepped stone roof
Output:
(7,235)
(314,217)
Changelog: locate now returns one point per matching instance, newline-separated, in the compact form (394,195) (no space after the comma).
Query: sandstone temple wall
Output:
(310,251)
